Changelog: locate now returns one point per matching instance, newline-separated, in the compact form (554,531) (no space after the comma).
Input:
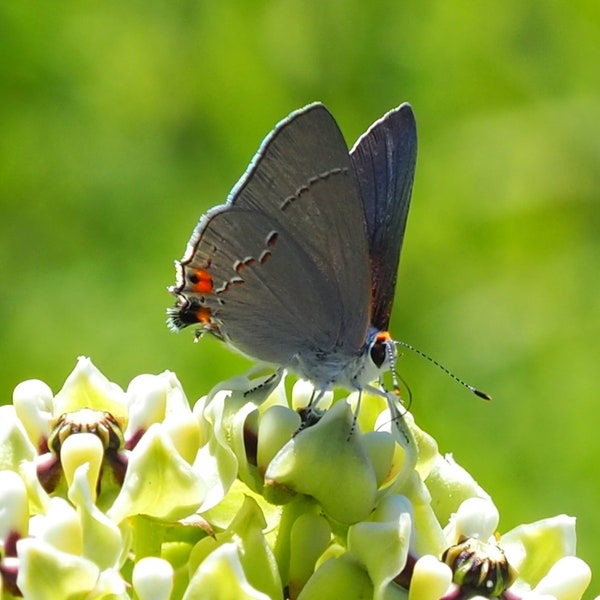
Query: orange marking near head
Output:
(383,336)
(202,282)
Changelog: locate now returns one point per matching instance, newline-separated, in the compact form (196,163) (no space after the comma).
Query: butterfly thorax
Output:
(353,371)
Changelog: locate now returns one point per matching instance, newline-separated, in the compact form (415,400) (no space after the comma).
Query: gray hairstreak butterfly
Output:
(298,268)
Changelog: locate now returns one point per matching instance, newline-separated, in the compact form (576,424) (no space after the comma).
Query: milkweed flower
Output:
(111,493)
(90,460)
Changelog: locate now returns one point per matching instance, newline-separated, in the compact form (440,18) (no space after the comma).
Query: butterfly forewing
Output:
(384,161)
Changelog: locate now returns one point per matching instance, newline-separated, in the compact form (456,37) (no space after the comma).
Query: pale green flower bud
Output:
(310,536)
(152,579)
(312,461)
(430,580)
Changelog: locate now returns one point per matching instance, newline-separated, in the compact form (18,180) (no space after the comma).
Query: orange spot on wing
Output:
(201,281)
(203,315)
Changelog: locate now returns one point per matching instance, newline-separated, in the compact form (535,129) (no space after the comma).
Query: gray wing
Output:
(287,256)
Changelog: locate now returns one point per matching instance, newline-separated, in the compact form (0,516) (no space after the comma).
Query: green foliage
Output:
(121,123)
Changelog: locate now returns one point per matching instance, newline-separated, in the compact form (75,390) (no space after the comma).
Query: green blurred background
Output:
(121,123)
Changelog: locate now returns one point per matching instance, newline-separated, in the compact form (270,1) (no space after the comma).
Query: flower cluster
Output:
(106,493)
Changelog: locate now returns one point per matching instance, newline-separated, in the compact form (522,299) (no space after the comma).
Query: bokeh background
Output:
(121,123)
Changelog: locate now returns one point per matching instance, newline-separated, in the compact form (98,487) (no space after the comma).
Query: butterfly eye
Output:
(378,352)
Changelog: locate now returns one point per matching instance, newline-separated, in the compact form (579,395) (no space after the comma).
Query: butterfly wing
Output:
(282,268)
(384,160)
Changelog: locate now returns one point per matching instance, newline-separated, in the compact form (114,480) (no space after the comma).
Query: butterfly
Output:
(298,268)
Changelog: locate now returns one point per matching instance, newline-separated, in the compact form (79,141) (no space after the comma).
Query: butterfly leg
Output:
(272,381)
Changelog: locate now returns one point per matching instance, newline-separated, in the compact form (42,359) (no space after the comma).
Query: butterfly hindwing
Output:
(285,261)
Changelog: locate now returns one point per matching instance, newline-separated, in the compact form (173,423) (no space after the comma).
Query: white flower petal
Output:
(566,580)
